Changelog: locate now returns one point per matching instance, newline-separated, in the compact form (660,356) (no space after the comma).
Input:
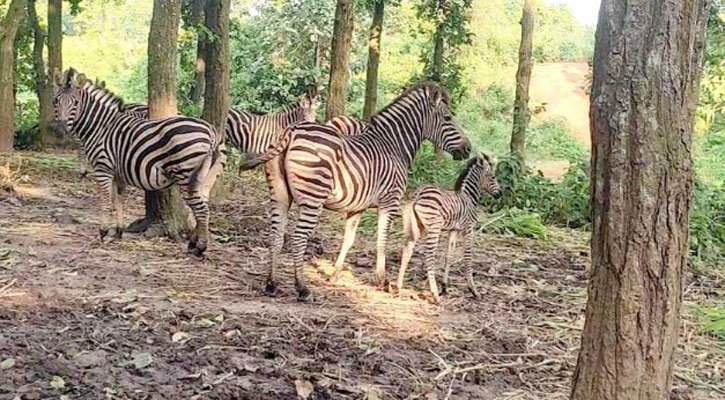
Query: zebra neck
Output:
(95,115)
(471,187)
(400,127)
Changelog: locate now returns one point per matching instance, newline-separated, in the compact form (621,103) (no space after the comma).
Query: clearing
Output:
(138,319)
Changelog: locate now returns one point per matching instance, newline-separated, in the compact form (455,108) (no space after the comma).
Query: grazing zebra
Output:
(353,173)
(434,210)
(151,155)
(133,109)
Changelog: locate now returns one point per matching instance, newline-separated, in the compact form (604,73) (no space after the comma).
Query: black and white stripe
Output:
(350,174)
(148,154)
(434,210)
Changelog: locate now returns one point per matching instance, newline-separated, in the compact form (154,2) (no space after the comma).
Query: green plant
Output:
(713,320)
(515,222)
(707,223)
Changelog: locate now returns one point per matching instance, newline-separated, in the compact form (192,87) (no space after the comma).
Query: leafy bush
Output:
(551,140)
(427,170)
(707,223)
(513,221)
(713,321)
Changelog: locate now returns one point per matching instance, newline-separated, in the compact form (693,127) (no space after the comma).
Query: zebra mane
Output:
(464,174)
(99,91)
(434,89)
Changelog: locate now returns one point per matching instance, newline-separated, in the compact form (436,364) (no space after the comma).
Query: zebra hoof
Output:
(475,293)
(270,287)
(444,289)
(102,233)
(118,234)
(198,252)
(303,294)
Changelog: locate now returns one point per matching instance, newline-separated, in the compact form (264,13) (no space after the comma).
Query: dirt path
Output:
(137,319)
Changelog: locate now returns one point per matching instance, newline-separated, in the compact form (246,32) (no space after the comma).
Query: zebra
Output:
(353,173)
(148,154)
(348,126)
(434,210)
(134,109)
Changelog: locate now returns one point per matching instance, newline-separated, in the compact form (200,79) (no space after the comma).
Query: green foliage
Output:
(426,170)
(713,320)
(551,140)
(707,223)
(514,222)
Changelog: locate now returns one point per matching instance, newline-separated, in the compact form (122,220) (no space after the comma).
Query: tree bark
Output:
(438,49)
(339,58)
(163,207)
(42,88)
(647,64)
(216,57)
(197,88)
(13,18)
(523,79)
(371,79)
(55,53)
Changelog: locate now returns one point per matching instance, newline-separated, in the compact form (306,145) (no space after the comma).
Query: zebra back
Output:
(348,126)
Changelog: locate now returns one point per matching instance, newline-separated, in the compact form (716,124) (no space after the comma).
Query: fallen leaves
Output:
(7,363)
(304,388)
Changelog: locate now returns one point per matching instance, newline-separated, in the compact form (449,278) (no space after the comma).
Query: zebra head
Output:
(67,89)
(488,176)
(444,131)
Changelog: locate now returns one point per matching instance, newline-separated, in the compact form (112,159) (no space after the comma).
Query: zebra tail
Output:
(278,148)
(200,174)
(411,225)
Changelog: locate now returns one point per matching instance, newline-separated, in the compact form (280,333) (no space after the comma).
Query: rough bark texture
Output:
(197,88)
(13,18)
(523,79)
(42,87)
(55,53)
(162,58)
(216,55)
(339,58)
(438,48)
(165,205)
(646,71)
(371,81)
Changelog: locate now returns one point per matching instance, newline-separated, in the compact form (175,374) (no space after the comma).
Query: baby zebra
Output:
(434,210)
(152,155)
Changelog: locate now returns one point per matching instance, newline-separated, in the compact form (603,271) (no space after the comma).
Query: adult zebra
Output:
(149,154)
(350,174)
(434,210)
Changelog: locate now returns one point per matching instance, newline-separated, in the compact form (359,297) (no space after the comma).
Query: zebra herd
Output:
(345,165)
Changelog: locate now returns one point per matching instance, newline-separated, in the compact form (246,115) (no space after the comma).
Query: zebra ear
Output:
(81,80)
(57,77)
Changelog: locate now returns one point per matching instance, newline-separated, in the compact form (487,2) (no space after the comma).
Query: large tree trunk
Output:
(164,206)
(42,87)
(216,55)
(371,79)
(340,55)
(523,78)
(646,71)
(197,88)
(55,53)
(13,18)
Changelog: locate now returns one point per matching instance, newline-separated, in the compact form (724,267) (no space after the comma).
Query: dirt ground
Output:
(138,319)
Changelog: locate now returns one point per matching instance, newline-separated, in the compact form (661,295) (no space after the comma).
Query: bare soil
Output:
(138,319)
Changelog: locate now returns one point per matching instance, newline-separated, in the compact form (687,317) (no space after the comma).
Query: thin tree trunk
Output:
(371,79)
(523,79)
(647,66)
(55,53)
(340,55)
(197,88)
(42,89)
(163,207)
(216,55)
(13,18)
(438,49)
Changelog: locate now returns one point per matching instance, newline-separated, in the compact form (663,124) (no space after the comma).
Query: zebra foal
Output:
(325,169)
(434,210)
(149,154)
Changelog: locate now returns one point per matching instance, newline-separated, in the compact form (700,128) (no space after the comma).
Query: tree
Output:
(163,208)
(216,57)
(196,20)
(646,71)
(371,79)
(13,18)
(42,84)
(339,59)
(523,78)
(55,50)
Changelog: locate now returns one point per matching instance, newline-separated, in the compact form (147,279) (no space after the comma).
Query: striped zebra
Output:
(324,169)
(434,210)
(149,154)
(133,109)
(348,126)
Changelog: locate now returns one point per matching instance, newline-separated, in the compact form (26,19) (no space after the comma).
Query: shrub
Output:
(515,222)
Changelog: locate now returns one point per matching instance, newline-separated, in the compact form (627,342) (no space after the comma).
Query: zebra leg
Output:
(200,208)
(306,223)
(452,237)
(431,245)
(82,161)
(280,202)
(119,196)
(351,222)
(468,261)
(106,196)
(385,219)
(405,260)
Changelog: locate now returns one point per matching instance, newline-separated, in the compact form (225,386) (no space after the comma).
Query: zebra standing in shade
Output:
(151,155)
(434,210)
(133,109)
(353,173)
